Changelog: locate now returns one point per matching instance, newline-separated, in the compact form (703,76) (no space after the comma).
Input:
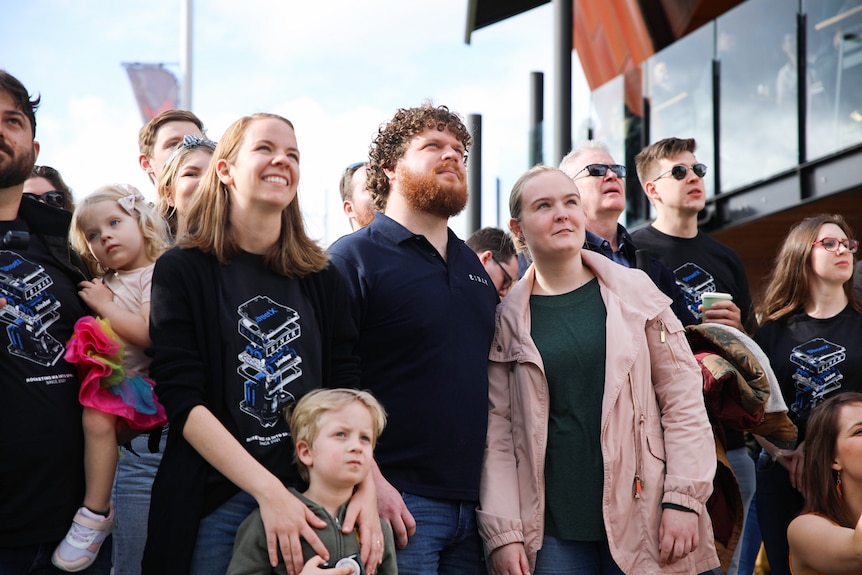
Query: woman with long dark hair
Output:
(827,538)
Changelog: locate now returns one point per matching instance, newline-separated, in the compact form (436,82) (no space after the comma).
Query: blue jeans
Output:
(751,541)
(743,467)
(562,557)
(36,560)
(216,535)
(446,539)
(777,504)
(132,487)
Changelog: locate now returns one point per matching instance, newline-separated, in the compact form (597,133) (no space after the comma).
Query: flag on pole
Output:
(156,88)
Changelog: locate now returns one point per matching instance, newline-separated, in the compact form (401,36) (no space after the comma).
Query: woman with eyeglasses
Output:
(180,176)
(811,330)
(46,185)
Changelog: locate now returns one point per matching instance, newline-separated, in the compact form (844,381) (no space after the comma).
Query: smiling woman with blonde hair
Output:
(247,318)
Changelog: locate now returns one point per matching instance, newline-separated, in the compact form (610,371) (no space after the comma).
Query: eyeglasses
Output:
(680,171)
(54,198)
(190,142)
(599,170)
(507,279)
(831,244)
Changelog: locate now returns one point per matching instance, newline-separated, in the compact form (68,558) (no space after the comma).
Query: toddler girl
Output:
(119,236)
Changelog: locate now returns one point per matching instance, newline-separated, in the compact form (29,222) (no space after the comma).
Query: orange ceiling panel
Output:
(611,38)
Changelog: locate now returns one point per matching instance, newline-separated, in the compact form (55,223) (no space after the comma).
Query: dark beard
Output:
(19,169)
(423,193)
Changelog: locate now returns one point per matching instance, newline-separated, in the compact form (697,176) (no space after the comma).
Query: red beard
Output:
(423,193)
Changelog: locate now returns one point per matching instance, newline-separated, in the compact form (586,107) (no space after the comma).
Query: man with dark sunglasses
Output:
(673,181)
(603,197)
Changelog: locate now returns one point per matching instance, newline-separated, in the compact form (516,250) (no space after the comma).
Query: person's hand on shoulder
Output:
(392,508)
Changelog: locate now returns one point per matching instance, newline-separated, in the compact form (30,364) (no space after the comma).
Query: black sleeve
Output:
(343,333)
(180,361)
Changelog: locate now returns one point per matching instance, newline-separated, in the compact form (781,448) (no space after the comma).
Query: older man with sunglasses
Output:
(673,181)
(603,197)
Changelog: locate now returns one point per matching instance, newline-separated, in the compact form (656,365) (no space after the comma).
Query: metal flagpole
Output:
(186,54)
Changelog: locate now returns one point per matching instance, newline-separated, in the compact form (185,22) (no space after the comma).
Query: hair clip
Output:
(128,202)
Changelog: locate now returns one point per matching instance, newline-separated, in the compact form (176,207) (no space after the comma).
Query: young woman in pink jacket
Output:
(599,457)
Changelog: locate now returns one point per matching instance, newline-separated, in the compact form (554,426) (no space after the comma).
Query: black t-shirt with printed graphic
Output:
(701,264)
(41,444)
(272,358)
(813,359)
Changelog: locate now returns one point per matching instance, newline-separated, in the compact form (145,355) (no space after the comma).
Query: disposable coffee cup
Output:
(710,297)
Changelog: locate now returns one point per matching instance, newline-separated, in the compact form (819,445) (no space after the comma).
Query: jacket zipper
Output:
(637,484)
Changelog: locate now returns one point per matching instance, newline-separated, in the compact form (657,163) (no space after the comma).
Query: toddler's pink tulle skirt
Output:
(98,354)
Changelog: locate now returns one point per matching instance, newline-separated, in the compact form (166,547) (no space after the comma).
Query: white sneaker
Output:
(79,548)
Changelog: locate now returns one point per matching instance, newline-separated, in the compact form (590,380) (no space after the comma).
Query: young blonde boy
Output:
(334,431)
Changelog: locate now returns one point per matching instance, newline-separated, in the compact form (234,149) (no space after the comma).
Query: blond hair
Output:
(153,227)
(304,417)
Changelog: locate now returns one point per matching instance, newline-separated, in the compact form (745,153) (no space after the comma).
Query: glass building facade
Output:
(734,85)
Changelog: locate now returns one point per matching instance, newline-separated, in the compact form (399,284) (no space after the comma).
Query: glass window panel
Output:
(755,43)
(834,75)
(678,85)
(607,115)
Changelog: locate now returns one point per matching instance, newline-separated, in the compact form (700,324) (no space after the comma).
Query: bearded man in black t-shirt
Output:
(41,436)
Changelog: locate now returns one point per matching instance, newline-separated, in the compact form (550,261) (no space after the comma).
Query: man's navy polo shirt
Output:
(425,329)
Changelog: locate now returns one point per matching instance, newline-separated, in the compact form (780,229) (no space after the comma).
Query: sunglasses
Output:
(831,244)
(54,198)
(600,170)
(680,171)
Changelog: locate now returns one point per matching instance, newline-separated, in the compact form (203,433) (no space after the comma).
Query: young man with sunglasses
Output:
(673,181)
(603,197)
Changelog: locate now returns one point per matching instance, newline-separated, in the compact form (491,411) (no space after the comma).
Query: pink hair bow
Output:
(128,202)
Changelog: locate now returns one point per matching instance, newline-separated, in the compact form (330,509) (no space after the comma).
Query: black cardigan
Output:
(187,353)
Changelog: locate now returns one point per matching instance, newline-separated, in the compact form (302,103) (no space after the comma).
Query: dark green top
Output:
(569,332)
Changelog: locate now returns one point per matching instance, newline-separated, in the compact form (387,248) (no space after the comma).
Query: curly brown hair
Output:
(394,137)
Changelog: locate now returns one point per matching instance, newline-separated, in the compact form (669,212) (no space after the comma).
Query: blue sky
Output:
(336,69)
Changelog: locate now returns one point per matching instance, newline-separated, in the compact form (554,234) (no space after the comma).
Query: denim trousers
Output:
(446,541)
(131,495)
(777,504)
(216,535)
(36,560)
(751,541)
(563,557)
(743,467)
